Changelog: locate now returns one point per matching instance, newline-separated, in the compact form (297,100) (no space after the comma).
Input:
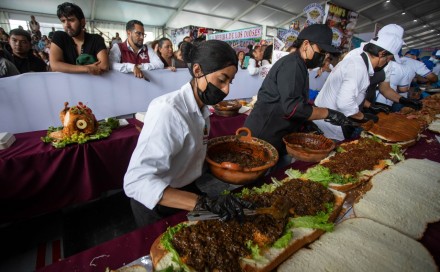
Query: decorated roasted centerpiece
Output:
(77,119)
(79,126)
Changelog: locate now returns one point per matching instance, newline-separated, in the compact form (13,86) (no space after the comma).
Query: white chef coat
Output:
(399,77)
(344,91)
(436,69)
(359,50)
(171,148)
(126,67)
(404,75)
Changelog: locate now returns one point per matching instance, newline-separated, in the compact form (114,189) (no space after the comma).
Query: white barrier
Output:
(32,101)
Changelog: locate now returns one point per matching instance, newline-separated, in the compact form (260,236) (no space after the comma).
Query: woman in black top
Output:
(281,106)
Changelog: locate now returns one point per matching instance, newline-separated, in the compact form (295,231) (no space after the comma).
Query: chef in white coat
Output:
(345,88)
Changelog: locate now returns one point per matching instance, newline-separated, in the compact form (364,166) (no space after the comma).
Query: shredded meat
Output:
(360,156)
(216,245)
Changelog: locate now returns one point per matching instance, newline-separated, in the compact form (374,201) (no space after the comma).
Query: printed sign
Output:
(315,13)
(248,33)
(342,21)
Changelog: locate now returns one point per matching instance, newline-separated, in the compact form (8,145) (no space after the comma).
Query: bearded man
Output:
(132,55)
(74,50)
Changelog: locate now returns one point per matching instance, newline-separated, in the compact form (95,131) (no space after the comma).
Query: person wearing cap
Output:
(74,50)
(346,86)
(413,53)
(282,102)
(162,175)
(381,80)
(412,68)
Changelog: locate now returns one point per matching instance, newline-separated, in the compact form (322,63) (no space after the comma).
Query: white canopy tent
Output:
(419,18)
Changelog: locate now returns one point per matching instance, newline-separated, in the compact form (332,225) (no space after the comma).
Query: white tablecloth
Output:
(32,101)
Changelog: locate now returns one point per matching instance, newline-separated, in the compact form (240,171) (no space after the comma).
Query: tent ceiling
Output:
(421,20)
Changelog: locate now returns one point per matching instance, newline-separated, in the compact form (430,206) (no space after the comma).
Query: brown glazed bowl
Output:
(239,159)
(308,147)
(227,108)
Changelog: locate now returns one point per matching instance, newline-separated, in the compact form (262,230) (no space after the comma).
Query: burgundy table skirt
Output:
(222,126)
(129,247)
(36,178)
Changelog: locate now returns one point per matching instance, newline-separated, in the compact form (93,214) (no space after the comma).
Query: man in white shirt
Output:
(345,88)
(132,56)
(436,61)
(403,74)
(381,79)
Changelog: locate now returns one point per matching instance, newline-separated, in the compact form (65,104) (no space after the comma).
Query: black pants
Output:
(144,216)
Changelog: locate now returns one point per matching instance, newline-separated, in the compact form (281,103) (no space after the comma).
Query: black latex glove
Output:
(376,108)
(417,105)
(337,118)
(226,206)
(310,126)
(367,117)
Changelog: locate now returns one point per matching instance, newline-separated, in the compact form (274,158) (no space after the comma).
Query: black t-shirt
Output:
(282,105)
(29,64)
(93,44)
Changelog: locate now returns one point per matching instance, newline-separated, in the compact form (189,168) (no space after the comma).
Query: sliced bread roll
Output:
(404,197)
(360,244)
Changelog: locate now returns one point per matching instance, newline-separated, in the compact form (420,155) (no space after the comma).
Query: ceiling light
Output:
(403,13)
(424,26)
(387,1)
(415,20)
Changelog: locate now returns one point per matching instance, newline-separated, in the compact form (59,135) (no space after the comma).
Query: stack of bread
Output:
(389,218)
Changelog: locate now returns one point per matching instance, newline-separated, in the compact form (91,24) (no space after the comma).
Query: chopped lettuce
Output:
(166,241)
(323,175)
(397,153)
(265,188)
(284,240)
(104,130)
(255,251)
(340,149)
(319,174)
(319,221)
(293,174)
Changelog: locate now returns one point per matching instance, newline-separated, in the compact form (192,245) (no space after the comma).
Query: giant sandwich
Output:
(394,128)
(352,164)
(261,242)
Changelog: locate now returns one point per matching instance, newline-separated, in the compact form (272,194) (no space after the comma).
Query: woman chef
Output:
(281,106)
(172,146)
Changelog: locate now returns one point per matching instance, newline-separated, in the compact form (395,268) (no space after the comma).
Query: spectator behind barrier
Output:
(74,50)
(22,56)
(132,55)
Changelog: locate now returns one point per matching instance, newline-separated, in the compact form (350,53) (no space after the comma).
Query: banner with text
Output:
(239,39)
(342,22)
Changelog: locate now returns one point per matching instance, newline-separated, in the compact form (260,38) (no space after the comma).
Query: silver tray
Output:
(145,261)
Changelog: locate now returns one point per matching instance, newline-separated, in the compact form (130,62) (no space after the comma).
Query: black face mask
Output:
(212,94)
(316,61)
(378,69)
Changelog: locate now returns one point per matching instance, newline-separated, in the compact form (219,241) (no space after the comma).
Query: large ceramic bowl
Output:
(240,159)
(227,108)
(307,146)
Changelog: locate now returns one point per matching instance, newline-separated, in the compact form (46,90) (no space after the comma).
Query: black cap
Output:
(319,34)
